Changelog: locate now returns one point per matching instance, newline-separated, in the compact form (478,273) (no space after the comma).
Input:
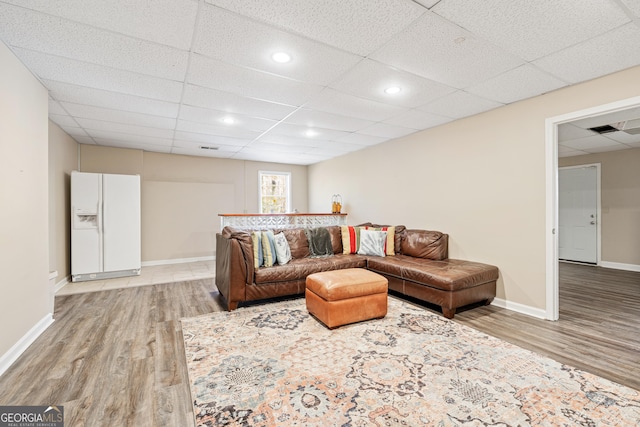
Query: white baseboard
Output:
(62,283)
(23,343)
(520,308)
(620,266)
(177,261)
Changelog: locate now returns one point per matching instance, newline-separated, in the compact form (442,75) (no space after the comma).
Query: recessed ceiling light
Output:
(281,57)
(310,133)
(228,120)
(392,90)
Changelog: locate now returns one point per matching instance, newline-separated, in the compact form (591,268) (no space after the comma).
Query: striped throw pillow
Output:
(350,239)
(256,240)
(269,248)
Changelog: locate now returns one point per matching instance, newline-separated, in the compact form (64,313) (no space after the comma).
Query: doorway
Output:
(579,213)
(551,185)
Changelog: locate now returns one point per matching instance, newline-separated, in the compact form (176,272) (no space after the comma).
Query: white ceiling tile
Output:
(214,129)
(56,108)
(418,119)
(614,51)
(369,79)
(623,137)
(562,149)
(338,147)
(590,142)
(168,22)
(90,125)
(333,101)
(288,140)
(118,116)
(199,96)
(83,139)
(523,82)
(572,153)
(428,3)
(103,135)
(238,40)
(22,28)
(320,119)
(459,104)
(446,53)
(202,138)
(216,118)
(283,148)
(633,5)
(222,154)
(567,131)
(533,29)
(134,145)
(360,139)
(49,67)
(247,82)
(74,131)
(301,132)
(384,130)
(258,155)
(357,26)
(633,144)
(107,99)
(607,148)
(63,120)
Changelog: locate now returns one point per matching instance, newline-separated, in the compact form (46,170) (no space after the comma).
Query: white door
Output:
(121,222)
(577,214)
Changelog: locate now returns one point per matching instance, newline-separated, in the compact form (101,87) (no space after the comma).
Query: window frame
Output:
(287,175)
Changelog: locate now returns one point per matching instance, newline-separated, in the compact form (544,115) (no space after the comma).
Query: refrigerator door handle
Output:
(101,233)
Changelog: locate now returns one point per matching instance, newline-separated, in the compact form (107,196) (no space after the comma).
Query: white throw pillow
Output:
(372,242)
(282,249)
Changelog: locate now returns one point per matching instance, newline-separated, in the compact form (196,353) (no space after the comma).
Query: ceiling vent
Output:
(604,129)
(206,147)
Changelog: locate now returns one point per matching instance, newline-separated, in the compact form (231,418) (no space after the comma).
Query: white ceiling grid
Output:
(174,75)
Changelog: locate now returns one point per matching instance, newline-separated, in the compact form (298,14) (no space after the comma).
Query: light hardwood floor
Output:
(116,358)
(598,330)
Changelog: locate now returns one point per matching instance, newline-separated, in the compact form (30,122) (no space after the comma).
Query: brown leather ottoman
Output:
(351,295)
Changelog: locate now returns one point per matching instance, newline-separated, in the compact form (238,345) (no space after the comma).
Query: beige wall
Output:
(481,179)
(63,158)
(24,247)
(183,195)
(620,202)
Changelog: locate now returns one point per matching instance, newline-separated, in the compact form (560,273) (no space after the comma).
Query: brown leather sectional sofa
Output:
(420,269)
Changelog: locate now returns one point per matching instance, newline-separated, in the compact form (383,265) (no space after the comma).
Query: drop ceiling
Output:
(577,138)
(173,76)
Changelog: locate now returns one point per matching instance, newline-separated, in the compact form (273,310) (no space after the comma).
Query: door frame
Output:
(552,311)
(598,167)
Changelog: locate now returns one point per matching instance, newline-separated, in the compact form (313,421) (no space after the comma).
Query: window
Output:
(275,192)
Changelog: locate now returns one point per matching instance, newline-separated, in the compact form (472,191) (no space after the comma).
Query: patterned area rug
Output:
(275,365)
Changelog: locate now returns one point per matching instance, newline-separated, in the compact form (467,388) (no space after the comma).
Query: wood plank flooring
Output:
(598,330)
(116,358)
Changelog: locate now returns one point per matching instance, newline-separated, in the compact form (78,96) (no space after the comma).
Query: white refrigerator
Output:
(105,226)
